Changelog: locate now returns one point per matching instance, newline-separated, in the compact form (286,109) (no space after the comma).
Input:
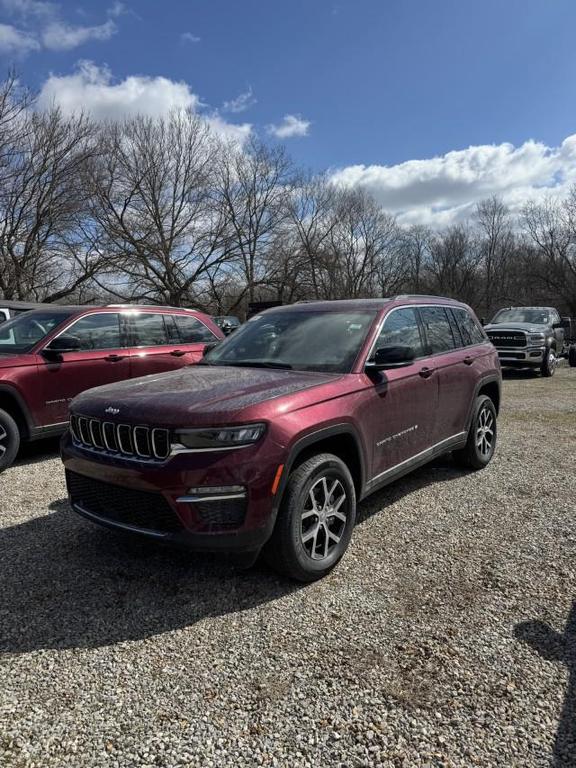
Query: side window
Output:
(192,331)
(149,330)
(469,328)
(401,327)
(99,331)
(171,329)
(438,329)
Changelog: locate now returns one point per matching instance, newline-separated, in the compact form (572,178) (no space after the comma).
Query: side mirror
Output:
(392,356)
(60,345)
(564,323)
(209,347)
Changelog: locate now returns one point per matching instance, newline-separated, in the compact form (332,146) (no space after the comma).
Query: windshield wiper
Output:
(257,364)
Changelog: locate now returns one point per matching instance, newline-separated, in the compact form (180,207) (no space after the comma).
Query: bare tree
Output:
(155,209)
(550,226)
(42,200)
(452,269)
(253,185)
(496,246)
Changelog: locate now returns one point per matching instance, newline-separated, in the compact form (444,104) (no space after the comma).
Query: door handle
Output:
(178,353)
(426,372)
(114,358)
(468,360)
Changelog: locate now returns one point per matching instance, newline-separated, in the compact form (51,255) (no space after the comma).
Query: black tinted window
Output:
(438,329)
(192,331)
(401,327)
(100,331)
(469,328)
(149,330)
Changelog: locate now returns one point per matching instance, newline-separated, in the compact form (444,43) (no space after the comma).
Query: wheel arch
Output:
(12,402)
(342,440)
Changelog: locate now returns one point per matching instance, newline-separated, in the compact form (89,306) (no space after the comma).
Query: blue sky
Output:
(370,86)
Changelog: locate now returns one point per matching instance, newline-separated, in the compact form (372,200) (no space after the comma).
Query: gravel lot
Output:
(445,638)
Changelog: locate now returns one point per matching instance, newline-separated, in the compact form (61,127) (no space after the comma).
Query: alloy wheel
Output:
(324,517)
(485,432)
(3,441)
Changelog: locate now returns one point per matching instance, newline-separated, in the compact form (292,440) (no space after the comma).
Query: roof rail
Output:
(422,296)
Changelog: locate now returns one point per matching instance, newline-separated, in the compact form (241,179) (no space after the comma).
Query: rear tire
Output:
(315,520)
(549,363)
(481,442)
(572,356)
(9,440)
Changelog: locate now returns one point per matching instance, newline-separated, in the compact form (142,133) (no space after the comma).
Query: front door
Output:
(404,400)
(101,359)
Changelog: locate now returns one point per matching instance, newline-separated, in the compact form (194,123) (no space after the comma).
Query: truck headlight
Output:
(537,338)
(210,438)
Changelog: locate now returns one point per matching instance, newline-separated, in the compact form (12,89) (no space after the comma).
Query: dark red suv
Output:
(49,355)
(272,439)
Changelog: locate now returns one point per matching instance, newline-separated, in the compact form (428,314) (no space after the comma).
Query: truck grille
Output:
(507,338)
(141,509)
(140,442)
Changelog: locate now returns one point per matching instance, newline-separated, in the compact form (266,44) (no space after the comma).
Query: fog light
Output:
(213,493)
(210,490)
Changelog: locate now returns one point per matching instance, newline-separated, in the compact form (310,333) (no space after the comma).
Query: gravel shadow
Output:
(67,583)
(558,647)
(38,450)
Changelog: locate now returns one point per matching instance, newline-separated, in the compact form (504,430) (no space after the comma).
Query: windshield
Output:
(304,341)
(522,315)
(21,334)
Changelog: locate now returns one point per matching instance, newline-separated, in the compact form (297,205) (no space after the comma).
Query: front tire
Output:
(315,520)
(548,363)
(481,443)
(9,440)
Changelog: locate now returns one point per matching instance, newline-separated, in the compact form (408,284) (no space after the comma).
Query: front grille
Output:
(228,513)
(142,509)
(140,442)
(507,338)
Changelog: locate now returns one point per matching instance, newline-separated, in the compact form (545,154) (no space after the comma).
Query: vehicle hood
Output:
(528,327)
(197,395)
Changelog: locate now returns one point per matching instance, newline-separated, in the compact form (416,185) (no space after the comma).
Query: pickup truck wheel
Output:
(481,443)
(9,440)
(548,363)
(572,356)
(315,520)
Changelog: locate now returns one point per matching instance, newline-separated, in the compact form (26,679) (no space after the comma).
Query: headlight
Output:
(537,337)
(220,437)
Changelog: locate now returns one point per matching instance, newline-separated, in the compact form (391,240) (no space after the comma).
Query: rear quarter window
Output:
(471,332)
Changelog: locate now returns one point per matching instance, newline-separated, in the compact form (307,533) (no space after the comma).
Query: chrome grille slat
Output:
(139,443)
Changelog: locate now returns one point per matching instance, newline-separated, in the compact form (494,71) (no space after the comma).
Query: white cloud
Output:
(444,189)
(15,42)
(291,125)
(188,37)
(26,8)
(42,27)
(93,89)
(58,36)
(241,103)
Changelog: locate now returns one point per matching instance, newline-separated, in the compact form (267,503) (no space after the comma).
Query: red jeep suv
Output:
(49,355)
(272,439)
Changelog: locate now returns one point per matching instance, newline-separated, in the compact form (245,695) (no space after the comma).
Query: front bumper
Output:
(149,499)
(521,356)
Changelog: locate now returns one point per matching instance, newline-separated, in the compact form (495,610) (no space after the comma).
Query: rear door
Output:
(403,401)
(101,359)
(163,341)
(444,345)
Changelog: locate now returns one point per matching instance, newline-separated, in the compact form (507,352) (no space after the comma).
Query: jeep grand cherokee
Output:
(272,439)
(49,355)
